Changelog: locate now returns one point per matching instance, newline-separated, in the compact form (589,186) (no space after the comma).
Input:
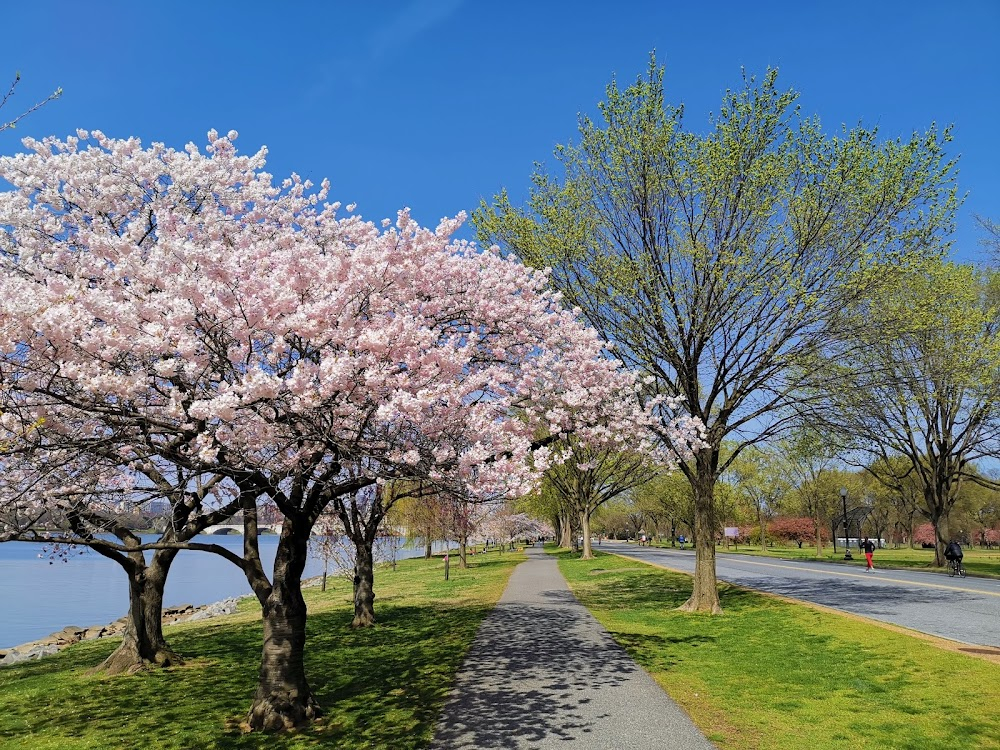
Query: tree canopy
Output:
(715,263)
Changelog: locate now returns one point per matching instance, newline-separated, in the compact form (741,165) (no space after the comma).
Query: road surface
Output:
(966,610)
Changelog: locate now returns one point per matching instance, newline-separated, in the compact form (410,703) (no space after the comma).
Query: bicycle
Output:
(956,568)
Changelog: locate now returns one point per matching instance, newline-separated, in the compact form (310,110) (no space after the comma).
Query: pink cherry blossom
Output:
(184,301)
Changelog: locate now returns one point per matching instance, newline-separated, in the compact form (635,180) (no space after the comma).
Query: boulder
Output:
(225,607)
(19,654)
(69,634)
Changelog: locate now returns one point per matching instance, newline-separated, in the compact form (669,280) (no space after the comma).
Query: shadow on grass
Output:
(384,686)
(623,585)
(661,652)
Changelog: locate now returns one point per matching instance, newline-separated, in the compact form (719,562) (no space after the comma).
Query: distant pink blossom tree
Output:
(924,534)
(989,537)
(794,529)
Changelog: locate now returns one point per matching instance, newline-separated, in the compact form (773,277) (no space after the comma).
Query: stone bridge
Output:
(237,528)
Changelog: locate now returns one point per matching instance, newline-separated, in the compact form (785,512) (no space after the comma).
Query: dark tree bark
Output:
(284,699)
(143,644)
(364,586)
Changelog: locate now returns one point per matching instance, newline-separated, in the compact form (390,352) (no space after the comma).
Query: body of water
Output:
(39,596)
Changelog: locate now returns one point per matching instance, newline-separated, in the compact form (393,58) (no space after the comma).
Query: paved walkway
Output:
(543,673)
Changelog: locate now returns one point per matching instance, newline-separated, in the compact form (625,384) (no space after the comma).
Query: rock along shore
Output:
(71,634)
(52,644)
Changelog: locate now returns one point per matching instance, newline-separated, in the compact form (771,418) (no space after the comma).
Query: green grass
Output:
(977,562)
(381,688)
(771,675)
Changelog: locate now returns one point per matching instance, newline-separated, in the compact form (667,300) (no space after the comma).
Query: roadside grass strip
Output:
(772,675)
(382,687)
(978,562)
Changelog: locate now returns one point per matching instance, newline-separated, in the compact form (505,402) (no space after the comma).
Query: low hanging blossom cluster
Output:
(184,301)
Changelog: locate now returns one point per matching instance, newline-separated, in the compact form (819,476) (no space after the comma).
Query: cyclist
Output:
(953,554)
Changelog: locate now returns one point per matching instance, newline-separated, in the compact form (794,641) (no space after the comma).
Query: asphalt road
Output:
(966,610)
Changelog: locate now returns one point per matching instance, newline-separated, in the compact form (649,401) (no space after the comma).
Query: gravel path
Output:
(543,673)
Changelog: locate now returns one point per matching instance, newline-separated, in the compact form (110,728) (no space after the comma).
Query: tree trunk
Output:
(364,586)
(463,551)
(819,532)
(760,524)
(588,551)
(566,530)
(705,596)
(428,548)
(941,539)
(283,699)
(143,644)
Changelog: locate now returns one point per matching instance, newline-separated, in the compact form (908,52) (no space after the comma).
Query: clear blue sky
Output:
(433,104)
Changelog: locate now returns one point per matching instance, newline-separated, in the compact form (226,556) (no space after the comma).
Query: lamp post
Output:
(847,540)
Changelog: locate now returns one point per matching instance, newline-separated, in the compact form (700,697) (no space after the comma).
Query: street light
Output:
(847,540)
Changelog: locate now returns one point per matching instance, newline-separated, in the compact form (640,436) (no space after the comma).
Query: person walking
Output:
(869,549)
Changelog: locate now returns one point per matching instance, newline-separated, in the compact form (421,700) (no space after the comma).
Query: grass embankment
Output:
(382,688)
(978,562)
(772,675)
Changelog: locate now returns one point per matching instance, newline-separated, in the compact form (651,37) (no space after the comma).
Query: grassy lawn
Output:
(978,562)
(381,688)
(770,675)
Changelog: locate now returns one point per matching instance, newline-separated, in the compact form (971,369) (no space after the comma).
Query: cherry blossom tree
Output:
(506,526)
(73,490)
(361,517)
(233,325)
(924,534)
(799,529)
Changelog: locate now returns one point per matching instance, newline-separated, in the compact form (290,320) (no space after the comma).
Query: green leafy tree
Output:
(666,500)
(714,263)
(761,481)
(906,495)
(614,519)
(809,459)
(918,384)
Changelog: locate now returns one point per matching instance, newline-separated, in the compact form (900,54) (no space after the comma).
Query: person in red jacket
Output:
(869,550)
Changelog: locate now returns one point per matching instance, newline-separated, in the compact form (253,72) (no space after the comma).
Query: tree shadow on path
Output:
(531,676)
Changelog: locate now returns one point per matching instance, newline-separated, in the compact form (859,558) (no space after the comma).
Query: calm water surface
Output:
(38,597)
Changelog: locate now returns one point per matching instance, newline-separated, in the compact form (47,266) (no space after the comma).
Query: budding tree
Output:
(714,262)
